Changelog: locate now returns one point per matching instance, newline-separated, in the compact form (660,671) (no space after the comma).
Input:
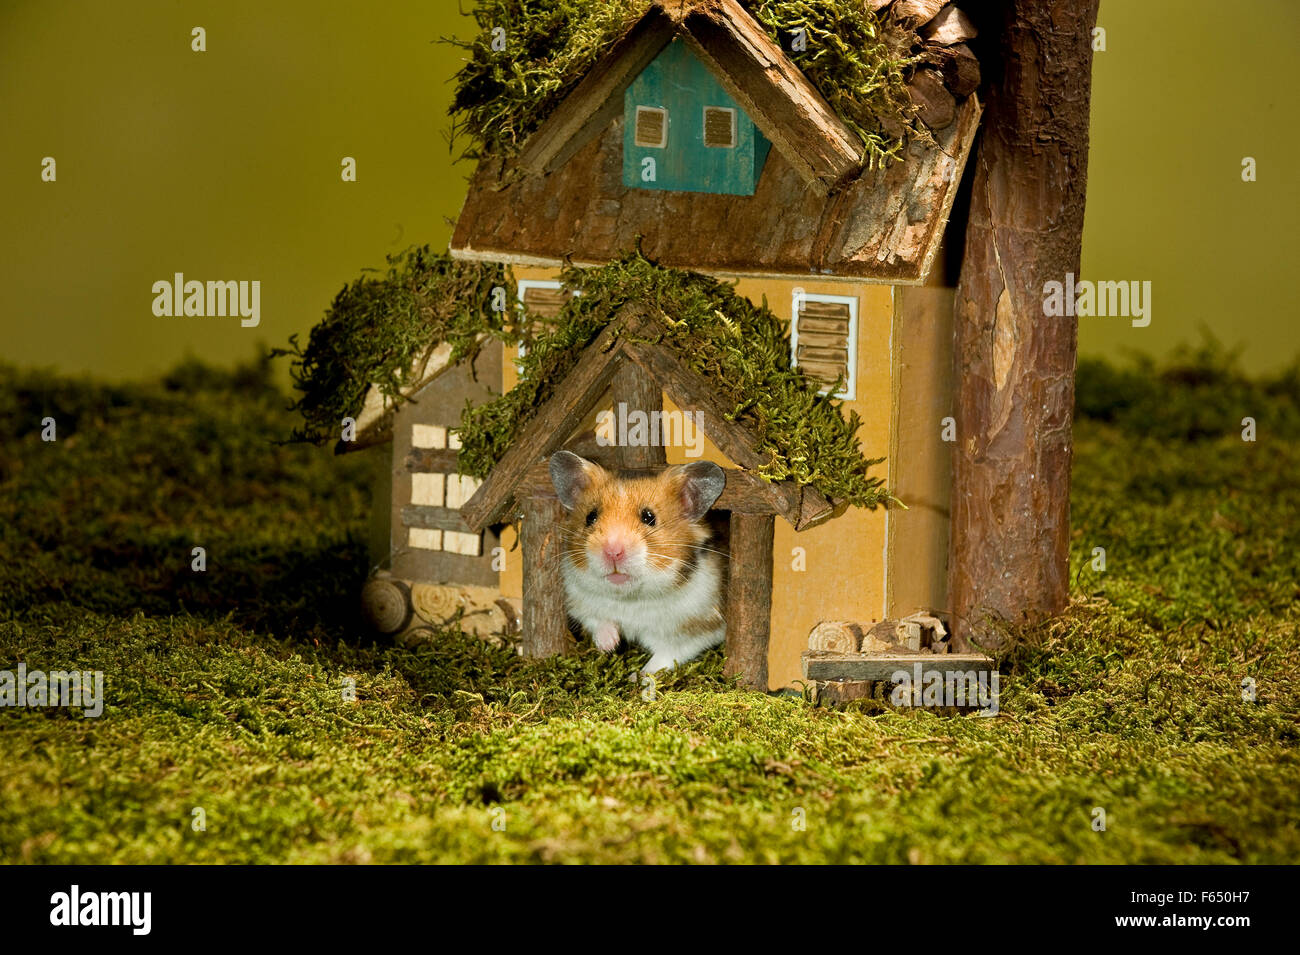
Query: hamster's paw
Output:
(606,637)
(658,663)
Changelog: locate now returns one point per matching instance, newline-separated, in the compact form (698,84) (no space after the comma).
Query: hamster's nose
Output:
(614,551)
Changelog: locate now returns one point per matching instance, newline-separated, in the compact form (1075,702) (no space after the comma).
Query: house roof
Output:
(815,212)
(629,337)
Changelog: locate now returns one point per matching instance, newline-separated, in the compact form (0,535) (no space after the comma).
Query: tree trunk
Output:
(1015,367)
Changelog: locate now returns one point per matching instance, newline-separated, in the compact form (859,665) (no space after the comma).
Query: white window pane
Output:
(428,489)
(456,542)
(460,488)
(425,538)
(428,436)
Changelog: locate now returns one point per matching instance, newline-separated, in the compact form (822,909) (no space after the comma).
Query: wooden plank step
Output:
(828,665)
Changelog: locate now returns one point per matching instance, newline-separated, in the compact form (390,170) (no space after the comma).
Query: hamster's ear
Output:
(702,484)
(572,476)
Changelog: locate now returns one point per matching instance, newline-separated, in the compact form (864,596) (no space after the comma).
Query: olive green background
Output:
(226,165)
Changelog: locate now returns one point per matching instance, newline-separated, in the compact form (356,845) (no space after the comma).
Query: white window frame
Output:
(704,128)
(663,140)
(851,383)
(523,285)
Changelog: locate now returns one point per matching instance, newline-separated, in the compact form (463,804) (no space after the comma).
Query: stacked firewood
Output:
(937,32)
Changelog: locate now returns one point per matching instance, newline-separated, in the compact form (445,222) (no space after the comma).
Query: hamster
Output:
(636,563)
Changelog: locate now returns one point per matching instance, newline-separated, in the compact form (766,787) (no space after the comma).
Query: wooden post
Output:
(545,624)
(749,598)
(634,388)
(1014,363)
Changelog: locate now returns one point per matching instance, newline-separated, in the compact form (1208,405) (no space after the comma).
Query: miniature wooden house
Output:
(697,136)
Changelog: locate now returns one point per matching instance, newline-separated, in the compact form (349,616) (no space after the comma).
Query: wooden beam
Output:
(550,427)
(691,393)
(749,598)
(828,665)
(817,144)
(633,388)
(545,623)
(598,99)
(437,518)
(432,460)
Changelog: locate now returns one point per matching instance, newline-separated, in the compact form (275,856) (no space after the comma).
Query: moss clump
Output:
(223,689)
(377,327)
(502,96)
(741,348)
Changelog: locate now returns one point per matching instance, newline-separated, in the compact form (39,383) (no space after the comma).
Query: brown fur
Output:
(673,541)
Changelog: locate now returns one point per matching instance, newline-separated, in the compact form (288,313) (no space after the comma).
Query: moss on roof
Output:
(378,326)
(741,348)
(502,96)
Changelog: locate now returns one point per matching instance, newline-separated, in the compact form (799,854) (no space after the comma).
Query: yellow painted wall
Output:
(844,559)
(843,575)
(920,461)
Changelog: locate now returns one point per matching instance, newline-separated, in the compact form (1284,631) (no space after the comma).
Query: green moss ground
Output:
(223,688)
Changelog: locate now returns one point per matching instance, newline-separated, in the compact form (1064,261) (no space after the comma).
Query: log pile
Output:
(919,633)
(936,33)
(414,612)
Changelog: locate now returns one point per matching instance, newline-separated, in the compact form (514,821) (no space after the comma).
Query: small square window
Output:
(458,542)
(543,299)
(428,436)
(651,127)
(460,488)
(429,490)
(824,340)
(719,127)
(425,538)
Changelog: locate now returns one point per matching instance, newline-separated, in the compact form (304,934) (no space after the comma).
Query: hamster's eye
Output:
(591,517)
(647,517)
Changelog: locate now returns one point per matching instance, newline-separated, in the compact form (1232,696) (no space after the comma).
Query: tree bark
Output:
(1015,367)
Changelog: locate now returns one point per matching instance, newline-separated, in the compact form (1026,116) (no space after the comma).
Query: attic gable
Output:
(817,209)
(626,340)
(753,70)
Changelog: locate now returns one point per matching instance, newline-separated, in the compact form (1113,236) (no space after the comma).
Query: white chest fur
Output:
(670,622)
